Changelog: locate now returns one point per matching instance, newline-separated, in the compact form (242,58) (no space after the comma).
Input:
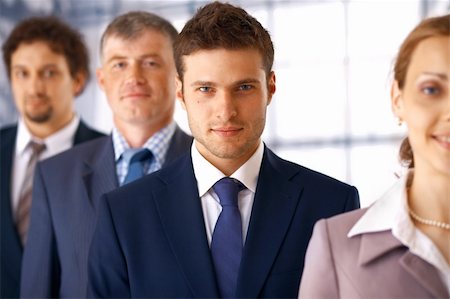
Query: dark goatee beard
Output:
(39,118)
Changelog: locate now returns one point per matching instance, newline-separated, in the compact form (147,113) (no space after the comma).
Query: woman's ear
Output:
(397,100)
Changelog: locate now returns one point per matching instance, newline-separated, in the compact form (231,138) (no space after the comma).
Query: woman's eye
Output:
(430,90)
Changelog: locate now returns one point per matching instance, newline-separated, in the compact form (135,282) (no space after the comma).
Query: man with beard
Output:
(48,66)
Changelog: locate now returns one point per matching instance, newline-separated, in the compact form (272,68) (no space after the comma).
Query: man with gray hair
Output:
(138,77)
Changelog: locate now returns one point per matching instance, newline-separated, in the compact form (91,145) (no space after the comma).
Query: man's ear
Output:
(397,104)
(79,82)
(100,78)
(271,86)
(179,92)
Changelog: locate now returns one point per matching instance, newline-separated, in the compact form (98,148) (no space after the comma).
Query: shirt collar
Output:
(391,212)
(207,175)
(52,142)
(158,143)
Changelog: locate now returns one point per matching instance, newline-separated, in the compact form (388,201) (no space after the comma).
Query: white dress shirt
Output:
(390,212)
(207,175)
(54,144)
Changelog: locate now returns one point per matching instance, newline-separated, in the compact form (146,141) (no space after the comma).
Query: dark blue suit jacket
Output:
(66,194)
(150,239)
(10,246)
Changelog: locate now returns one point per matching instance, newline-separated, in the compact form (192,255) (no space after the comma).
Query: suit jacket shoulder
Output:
(89,151)
(302,173)
(8,132)
(85,133)
(369,265)
(330,194)
(179,145)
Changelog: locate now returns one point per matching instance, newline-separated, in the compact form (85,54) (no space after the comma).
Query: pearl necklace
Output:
(440,224)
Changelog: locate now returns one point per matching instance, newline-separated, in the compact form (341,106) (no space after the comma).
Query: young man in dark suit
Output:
(230,219)
(48,66)
(138,77)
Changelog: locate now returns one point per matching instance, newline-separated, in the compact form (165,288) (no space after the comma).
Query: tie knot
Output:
(134,155)
(137,158)
(227,189)
(36,147)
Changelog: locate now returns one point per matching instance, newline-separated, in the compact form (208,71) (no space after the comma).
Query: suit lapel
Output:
(275,203)
(181,215)
(377,244)
(425,274)
(100,172)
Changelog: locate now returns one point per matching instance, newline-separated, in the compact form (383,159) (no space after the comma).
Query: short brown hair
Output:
(431,27)
(130,25)
(59,36)
(222,25)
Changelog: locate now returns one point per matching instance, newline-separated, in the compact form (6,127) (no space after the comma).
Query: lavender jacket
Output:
(369,265)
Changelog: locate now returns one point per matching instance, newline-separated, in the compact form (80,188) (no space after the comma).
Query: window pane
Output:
(328,160)
(374,168)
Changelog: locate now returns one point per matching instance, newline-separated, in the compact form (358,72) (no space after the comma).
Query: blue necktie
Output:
(136,166)
(226,244)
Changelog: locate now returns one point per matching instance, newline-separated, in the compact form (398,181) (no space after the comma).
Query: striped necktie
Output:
(23,209)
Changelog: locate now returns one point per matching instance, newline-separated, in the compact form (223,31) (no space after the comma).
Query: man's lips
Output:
(227,131)
(135,95)
(36,101)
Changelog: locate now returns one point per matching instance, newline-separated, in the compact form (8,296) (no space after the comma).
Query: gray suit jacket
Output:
(66,194)
(371,265)
(11,250)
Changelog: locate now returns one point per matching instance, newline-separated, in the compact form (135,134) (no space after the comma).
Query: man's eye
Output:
(150,63)
(245,87)
(205,89)
(119,65)
(20,74)
(48,73)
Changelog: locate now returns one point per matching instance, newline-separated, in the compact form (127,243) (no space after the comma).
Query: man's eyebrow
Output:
(246,81)
(22,66)
(203,83)
(122,57)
